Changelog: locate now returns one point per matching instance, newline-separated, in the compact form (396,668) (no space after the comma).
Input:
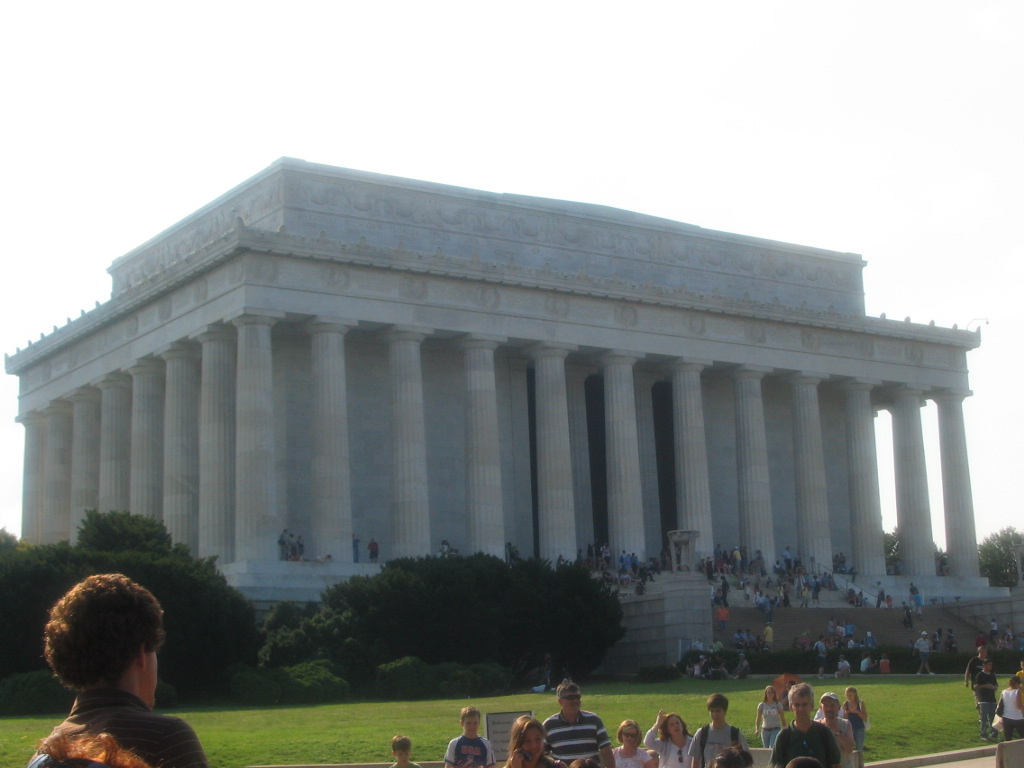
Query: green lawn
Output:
(909,716)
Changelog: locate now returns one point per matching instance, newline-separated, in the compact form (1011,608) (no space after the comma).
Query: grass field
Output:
(909,716)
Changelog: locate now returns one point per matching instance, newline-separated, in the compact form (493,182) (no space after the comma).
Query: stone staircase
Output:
(885,625)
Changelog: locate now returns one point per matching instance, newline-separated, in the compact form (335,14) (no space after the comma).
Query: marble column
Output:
(410,505)
(556,520)
(85,457)
(693,488)
(579,440)
(217,444)
(331,483)
(33,477)
(913,513)
(483,449)
(654,539)
(755,497)
(866,532)
(625,496)
(813,532)
(57,485)
(115,442)
(257,521)
(145,495)
(958,500)
(181,444)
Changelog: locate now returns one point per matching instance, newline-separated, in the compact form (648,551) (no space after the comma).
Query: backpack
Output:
(702,737)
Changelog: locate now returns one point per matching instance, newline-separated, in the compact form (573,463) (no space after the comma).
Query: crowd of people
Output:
(102,639)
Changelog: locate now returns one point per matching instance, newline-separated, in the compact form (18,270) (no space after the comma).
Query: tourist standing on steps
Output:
(374,549)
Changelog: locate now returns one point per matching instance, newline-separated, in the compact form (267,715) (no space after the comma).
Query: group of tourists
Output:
(997,710)
(102,639)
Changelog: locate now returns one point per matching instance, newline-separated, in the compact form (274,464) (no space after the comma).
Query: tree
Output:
(997,556)
(8,541)
(210,626)
(460,609)
(892,551)
(123,532)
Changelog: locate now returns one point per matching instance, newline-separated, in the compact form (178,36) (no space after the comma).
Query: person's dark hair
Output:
(98,627)
(81,750)
(804,762)
(718,701)
(401,744)
(732,757)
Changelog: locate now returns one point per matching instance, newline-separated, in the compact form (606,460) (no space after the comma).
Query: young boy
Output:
(470,750)
(718,735)
(401,748)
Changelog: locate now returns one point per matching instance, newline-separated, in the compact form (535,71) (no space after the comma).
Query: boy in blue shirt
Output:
(470,750)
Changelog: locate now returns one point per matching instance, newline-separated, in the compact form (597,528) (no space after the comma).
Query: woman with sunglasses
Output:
(669,738)
(631,754)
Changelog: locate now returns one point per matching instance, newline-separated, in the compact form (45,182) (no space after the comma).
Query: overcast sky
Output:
(891,130)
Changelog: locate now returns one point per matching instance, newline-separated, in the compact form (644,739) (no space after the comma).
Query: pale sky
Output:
(891,130)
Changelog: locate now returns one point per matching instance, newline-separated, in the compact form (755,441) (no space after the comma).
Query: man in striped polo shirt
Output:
(102,640)
(574,733)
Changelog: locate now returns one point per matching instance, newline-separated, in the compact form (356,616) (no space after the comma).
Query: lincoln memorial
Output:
(342,354)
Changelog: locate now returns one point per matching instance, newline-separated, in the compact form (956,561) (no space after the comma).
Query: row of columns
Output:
(192,440)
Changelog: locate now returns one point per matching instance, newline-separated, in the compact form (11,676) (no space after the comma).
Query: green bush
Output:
(255,688)
(313,682)
(657,674)
(405,678)
(34,693)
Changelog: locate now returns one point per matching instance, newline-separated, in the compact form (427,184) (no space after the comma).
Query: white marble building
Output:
(337,353)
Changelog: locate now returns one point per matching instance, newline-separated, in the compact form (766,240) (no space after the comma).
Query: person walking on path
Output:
(923,649)
(985,687)
(1013,709)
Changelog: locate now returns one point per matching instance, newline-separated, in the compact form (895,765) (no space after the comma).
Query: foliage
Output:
(8,541)
(33,693)
(312,682)
(997,556)
(123,532)
(892,550)
(657,674)
(515,613)
(209,625)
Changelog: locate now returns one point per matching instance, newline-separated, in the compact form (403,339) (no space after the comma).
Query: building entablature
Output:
(489,278)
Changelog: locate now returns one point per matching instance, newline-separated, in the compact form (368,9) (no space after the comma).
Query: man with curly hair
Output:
(101,640)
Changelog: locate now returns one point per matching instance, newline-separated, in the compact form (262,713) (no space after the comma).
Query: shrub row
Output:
(412,678)
(40,693)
